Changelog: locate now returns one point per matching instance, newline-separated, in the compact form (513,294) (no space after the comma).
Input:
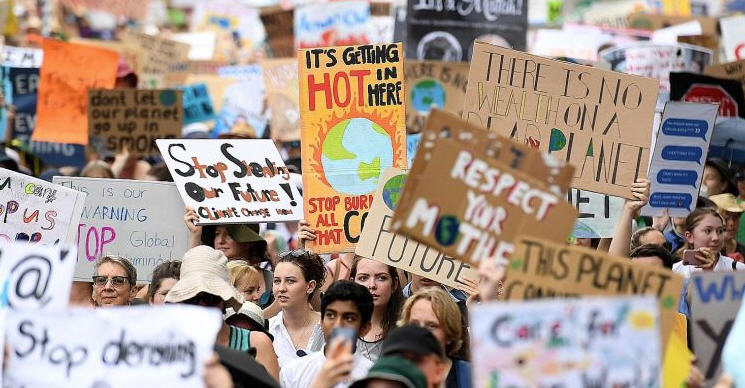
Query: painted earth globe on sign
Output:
(353,153)
(392,190)
(427,93)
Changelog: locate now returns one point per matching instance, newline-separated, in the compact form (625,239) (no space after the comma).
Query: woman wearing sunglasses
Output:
(114,282)
(296,328)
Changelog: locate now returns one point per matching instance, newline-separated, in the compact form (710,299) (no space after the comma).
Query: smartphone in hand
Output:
(347,334)
(689,257)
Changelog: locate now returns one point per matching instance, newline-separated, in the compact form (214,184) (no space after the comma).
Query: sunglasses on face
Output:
(295,254)
(116,281)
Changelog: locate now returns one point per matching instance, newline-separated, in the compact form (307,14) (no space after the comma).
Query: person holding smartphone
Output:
(346,311)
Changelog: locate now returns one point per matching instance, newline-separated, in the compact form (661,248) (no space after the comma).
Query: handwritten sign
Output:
(731,70)
(379,242)
(603,342)
(658,61)
(36,277)
(21,56)
(37,211)
(132,9)
(147,346)
(471,207)
(733,37)
(159,54)
(197,104)
(352,127)
(132,119)
(598,213)
(66,77)
(445,31)
(715,299)
(432,84)
(597,120)
(139,220)
(233,181)
(341,23)
(282,97)
(679,157)
(243,101)
(542,269)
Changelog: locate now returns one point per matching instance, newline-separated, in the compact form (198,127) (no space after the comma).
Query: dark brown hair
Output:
(393,309)
(164,270)
(310,264)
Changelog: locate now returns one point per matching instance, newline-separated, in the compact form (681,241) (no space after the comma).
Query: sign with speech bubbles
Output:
(679,156)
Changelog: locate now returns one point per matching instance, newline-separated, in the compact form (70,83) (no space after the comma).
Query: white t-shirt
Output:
(283,345)
(301,372)
(724,264)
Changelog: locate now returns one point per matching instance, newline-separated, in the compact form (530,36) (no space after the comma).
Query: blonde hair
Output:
(238,269)
(446,311)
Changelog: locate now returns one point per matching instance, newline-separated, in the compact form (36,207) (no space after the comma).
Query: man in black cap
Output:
(419,346)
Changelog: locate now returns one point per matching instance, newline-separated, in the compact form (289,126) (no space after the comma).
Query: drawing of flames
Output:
(354,145)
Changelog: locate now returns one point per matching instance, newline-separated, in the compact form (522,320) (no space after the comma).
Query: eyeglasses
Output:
(116,281)
(295,254)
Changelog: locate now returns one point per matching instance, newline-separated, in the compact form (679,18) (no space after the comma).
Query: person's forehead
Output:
(110,267)
(371,267)
(343,307)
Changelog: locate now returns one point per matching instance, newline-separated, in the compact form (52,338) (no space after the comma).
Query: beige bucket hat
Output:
(204,269)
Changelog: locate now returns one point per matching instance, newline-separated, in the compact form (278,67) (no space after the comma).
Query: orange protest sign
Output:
(352,127)
(67,72)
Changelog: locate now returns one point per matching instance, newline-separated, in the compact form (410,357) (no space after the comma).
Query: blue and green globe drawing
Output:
(392,190)
(426,94)
(353,154)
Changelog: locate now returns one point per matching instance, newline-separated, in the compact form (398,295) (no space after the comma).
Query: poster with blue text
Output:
(679,156)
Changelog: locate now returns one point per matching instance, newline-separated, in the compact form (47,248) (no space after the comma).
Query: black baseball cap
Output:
(412,339)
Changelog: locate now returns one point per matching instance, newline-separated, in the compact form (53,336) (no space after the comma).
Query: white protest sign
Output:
(21,56)
(678,158)
(232,181)
(598,213)
(36,277)
(165,346)
(37,211)
(733,37)
(589,342)
(139,220)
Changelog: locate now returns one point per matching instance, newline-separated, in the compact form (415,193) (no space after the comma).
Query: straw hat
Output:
(727,202)
(249,309)
(204,269)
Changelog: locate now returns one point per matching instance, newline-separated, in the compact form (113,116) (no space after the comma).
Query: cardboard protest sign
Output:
(679,157)
(217,87)
(37,211)
(705,89)
(598,213)
(733,37)
(278,23)
(658,61)
(486,205)
(282,97)
(542,269)
(602,342)
(65,79)
(445,31)
(731,354)
(132,9)
(730,70)
(715,299)
(36,277)
(139,220)
(20,85)
(379,242)
(600,123)
(118,347)
(341,23)
(21,56)
(232,181)
(197,104)
(130,119)
(432,84)
(352,127)
(159,54)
